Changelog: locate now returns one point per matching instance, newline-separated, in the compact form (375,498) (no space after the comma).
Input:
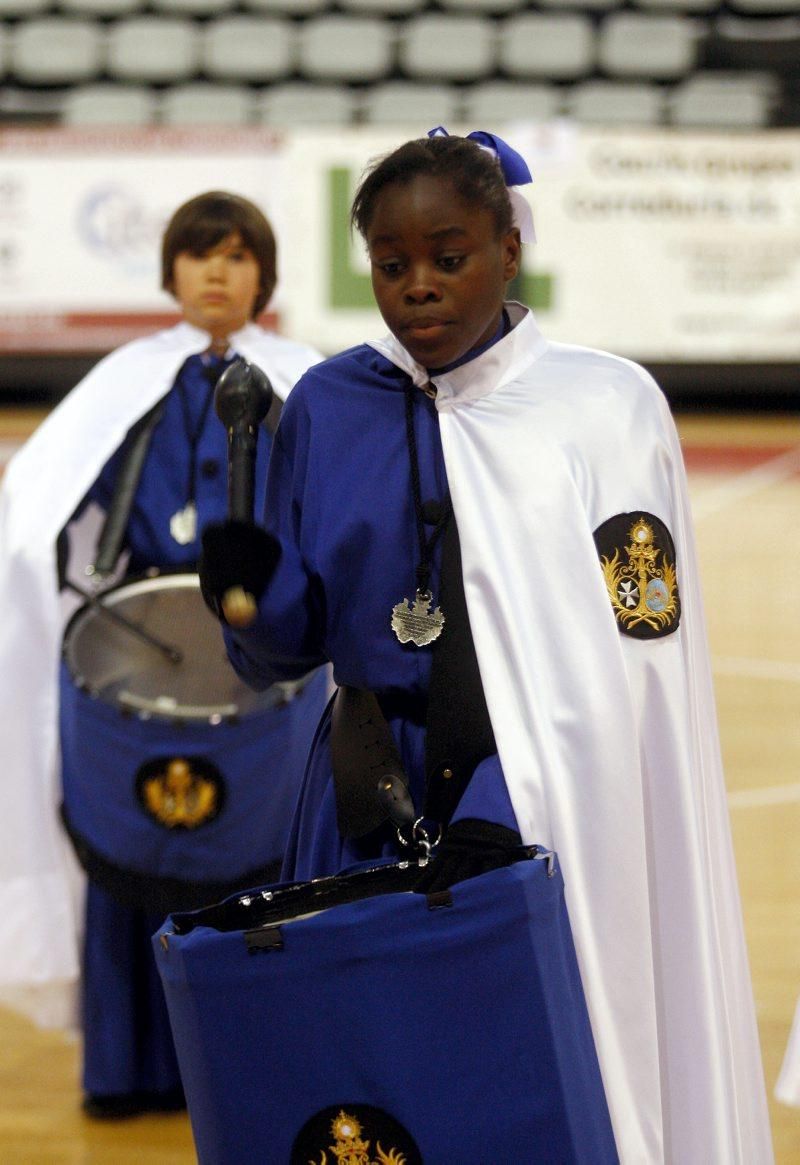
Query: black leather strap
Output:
(112,535)
(460,732)
(371,785)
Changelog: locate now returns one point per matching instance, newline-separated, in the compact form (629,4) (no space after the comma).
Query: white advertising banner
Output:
(81,218)
(660,245)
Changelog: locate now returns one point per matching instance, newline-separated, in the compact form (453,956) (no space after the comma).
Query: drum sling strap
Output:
(371,786)
(112,534)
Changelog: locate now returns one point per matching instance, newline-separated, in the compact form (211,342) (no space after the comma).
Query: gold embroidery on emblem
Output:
(178,796)
(640,590)
(350,1149)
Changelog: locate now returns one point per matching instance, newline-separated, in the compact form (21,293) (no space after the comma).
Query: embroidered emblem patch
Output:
(180,792)
(637,557)
(354,1134)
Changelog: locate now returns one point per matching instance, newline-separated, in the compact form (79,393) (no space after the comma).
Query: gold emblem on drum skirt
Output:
(354,1135)
(180,792)
(637,557)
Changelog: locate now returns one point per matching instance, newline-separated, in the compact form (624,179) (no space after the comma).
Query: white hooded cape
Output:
(608,743)
(40,887)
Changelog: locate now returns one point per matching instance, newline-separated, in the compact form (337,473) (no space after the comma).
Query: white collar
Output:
(200,341)
(477,378)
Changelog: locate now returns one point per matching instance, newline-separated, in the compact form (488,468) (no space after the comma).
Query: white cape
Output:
(608,743)
(40,887)
(787,1087)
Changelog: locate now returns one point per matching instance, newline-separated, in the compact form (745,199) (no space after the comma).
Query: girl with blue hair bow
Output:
(561,683)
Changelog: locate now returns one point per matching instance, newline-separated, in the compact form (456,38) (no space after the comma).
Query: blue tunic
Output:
(339,498)
(164,486)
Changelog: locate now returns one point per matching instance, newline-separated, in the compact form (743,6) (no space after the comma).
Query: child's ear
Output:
(512,253)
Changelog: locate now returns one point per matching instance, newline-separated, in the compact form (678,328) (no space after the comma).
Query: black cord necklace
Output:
(420,623)
(183,523)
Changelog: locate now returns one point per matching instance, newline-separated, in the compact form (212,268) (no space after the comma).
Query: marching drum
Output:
(349,1019)
(179,781)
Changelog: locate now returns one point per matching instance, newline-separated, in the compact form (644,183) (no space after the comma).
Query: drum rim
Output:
(275,696)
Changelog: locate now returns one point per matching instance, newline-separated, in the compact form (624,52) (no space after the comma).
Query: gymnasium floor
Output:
(744,474)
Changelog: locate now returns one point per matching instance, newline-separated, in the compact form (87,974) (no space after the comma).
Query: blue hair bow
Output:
(515,171)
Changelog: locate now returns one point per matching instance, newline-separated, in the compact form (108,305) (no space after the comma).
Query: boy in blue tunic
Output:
(219,263)
(562,470)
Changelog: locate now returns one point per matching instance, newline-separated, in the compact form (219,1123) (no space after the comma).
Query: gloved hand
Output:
(470,847)
(235,554)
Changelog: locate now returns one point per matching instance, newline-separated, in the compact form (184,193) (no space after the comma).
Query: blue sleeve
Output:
(287,638)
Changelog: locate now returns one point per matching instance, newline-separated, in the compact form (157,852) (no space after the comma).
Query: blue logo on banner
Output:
(114,224)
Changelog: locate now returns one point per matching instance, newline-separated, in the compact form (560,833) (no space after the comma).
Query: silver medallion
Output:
(419,624)
(183,524)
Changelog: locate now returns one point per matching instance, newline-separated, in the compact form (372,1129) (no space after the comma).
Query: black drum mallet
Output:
(241,400)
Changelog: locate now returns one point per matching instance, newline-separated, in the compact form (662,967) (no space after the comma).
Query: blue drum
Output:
(351,1019)
(179,781)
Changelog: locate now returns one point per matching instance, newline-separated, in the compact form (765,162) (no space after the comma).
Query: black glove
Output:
(235,554)
(470,847)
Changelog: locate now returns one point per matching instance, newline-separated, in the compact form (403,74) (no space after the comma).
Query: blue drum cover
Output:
(260,760)
(464,1024)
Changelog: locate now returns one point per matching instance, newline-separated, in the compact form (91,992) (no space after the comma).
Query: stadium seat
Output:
(192,7)
(495,102)
(98,7)
(406,103)
(723,101)
(485,7)
(765,7)
(676,6)
(153,48)
(345,48)
(588,6)
(558,45)
(206,104)
(382,7)
(108,104)
(655,47)
(748,43)
(247,48)
(56,51)
(615,103)
(286,7)
(24,8)
(298,103)
(447,47)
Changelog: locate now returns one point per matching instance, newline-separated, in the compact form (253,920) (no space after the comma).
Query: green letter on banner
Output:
(351,289)
(348,288)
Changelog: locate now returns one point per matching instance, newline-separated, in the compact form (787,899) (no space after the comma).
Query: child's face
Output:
(439,270)
(217,290)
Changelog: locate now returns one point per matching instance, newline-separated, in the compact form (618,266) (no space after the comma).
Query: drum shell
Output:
(260,759)
(465,1022)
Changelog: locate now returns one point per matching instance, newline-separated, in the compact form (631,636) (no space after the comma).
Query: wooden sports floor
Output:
(744,472)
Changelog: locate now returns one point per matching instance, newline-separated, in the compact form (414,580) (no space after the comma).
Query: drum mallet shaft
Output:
(241,399)
(95,601)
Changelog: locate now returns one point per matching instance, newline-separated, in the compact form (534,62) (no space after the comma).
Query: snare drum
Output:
(348,1019)
(178,779)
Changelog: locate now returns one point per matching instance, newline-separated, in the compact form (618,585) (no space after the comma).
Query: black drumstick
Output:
(96,603)
(241,399)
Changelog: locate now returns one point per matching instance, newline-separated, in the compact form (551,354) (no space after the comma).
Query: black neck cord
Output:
(426,543)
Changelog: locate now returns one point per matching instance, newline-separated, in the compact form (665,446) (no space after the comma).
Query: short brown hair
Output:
(204,221)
